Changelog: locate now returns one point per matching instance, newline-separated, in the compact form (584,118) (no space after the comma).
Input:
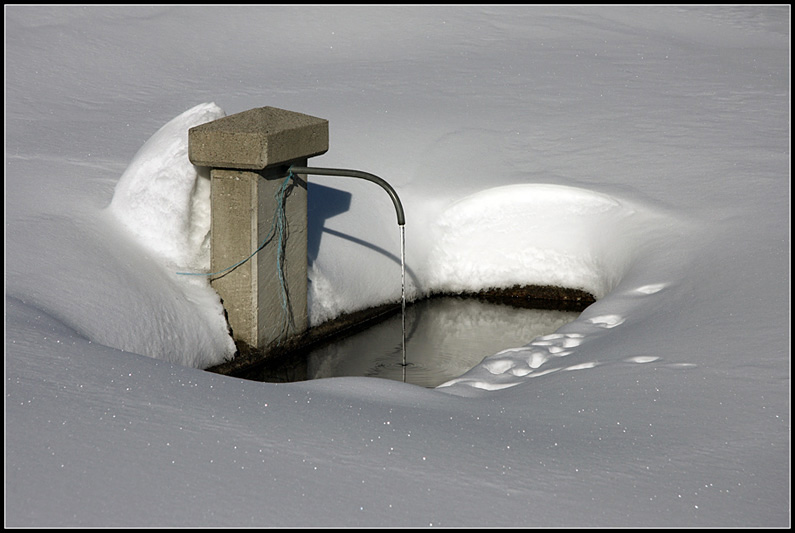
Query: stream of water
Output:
(403,288)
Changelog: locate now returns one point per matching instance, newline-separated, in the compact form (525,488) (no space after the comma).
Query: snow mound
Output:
(163,199)
(164,202)
(531,234)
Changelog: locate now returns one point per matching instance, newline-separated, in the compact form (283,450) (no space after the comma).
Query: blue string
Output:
(280,219)
(278,226)
(277,223)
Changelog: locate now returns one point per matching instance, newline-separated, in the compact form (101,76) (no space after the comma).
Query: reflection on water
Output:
(445,337)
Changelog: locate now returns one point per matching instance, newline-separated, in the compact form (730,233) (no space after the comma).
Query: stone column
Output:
(249,155)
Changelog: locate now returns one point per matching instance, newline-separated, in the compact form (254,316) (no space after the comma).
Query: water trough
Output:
(258,162)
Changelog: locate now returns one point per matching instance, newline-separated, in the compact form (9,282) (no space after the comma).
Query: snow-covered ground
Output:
(641,153)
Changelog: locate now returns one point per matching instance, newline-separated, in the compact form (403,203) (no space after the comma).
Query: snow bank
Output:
(109,274)
(533,234)
(163,199)
(103,285)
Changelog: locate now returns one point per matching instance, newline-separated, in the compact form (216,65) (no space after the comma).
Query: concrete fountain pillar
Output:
(249,155)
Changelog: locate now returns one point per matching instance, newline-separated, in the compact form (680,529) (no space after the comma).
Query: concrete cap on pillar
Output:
(257,138)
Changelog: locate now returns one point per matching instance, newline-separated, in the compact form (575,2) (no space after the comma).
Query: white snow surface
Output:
(639,153)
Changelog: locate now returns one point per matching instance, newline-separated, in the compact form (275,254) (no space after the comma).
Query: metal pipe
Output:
(357,174)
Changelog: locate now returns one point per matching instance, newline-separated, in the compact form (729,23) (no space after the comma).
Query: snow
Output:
(162,199)
(641,153)
(569,237)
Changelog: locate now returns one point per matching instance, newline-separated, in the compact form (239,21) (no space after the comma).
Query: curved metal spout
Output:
(357,174)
